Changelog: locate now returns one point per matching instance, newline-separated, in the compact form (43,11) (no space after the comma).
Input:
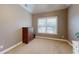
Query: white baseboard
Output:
(64,40)
(69,43)
(6,50)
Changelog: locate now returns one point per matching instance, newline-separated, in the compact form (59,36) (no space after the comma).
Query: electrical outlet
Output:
(1,46)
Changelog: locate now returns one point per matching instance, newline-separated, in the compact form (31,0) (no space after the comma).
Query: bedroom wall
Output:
(12,19)
(73,22)
(62,23)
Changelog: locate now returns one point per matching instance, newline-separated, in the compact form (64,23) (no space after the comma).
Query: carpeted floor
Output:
(42,46)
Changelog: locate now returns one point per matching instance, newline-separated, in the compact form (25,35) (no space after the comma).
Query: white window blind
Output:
(47,25)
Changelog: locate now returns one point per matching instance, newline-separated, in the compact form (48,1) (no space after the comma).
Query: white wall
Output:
(73,21)
(12,19)
(73,26)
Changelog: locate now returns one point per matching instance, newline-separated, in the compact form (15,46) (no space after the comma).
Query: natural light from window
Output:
(47,25)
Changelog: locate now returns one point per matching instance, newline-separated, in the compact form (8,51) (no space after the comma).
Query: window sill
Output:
(49,33)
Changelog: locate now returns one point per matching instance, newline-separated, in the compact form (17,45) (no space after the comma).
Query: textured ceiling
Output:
(39,8)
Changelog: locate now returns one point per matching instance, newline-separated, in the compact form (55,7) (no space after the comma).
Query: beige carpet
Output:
(42,46)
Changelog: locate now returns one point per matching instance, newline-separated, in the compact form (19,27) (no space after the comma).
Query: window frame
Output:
(49,26)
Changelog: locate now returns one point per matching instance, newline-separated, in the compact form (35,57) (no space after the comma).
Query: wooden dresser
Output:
(27,34)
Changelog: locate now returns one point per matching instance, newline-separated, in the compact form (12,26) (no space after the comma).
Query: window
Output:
(47,25)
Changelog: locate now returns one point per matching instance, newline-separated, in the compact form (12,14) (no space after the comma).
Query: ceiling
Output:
(39,8)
